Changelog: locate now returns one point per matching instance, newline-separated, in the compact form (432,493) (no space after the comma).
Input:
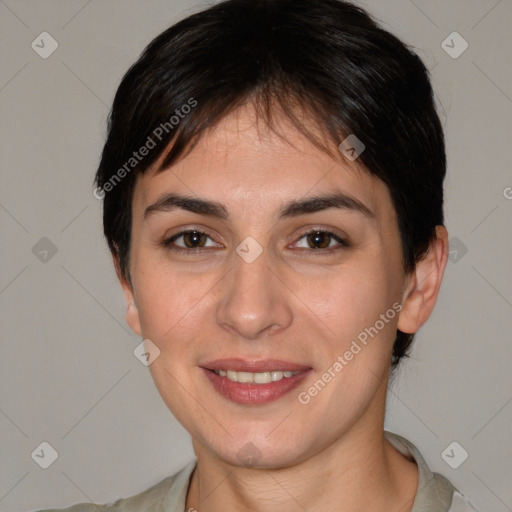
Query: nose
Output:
(254,302)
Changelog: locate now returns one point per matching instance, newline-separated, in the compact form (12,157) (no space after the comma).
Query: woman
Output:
(273,201)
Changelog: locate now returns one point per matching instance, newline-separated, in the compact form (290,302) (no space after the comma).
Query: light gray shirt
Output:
(434,493)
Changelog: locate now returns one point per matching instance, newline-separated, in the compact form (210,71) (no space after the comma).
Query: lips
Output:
(266,365)
(254,391)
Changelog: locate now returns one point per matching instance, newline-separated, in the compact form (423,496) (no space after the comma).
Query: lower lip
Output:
(254,394)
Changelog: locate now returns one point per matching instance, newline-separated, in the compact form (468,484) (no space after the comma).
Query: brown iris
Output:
(318,240)
(194,239)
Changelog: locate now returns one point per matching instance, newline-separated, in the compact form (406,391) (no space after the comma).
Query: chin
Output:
(252,456)
(262,451)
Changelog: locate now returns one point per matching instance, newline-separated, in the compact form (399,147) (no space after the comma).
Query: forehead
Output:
(242,161)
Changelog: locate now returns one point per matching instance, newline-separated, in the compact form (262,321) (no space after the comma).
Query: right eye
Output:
(189,241)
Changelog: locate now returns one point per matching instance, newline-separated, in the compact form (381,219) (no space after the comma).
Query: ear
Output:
(423,285)
(132,313)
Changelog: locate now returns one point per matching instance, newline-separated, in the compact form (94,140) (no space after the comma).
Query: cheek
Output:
(165,299)
(346,301)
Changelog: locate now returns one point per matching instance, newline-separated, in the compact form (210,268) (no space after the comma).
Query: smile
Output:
(255,378)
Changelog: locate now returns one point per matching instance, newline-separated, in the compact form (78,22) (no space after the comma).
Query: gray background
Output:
(68,373)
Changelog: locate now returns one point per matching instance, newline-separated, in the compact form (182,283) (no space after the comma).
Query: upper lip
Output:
(262,365)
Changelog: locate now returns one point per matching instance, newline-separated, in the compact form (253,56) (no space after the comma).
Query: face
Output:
(260,256)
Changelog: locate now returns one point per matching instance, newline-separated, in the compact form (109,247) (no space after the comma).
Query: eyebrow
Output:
(295,208)
(170,202)
(323,202)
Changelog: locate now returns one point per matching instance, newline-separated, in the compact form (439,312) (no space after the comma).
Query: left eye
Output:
(191,240)
(318,239)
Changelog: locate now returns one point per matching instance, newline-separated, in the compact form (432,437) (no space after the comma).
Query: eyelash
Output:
(167,243)
(178,249)
(342,243)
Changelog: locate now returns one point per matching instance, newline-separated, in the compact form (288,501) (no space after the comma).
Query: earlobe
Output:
(424,283)
(132,318)
(132,312)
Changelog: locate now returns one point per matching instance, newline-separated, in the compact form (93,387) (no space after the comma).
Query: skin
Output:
(293,303)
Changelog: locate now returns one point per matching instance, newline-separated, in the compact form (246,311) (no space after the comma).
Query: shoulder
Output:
(435,492)
(168,494)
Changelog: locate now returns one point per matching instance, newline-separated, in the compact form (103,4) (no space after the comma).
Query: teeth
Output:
(245,377)
(255,378)
(276,376)
(262,378)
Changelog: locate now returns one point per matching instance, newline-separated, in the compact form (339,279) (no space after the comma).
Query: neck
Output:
(361,470)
